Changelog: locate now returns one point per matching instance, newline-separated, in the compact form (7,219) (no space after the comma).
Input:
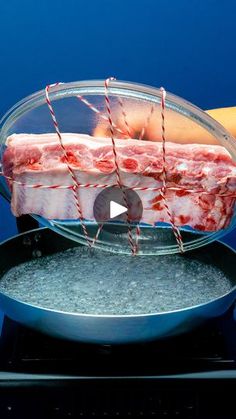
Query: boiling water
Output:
(79,280)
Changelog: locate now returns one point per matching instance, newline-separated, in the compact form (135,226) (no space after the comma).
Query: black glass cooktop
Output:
(209,348)
(190,376)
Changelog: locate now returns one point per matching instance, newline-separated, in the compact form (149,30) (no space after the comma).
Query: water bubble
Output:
(80,281)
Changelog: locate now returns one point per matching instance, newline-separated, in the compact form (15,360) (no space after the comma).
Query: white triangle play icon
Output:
(116,209)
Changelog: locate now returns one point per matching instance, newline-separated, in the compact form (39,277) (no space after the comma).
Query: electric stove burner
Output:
(190,376)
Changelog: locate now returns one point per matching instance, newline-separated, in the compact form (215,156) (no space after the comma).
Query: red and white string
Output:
(143,131)
(118,177)
(124,114)
(73,177)
(106,185)
(128,129)
(101,114)
(175,229)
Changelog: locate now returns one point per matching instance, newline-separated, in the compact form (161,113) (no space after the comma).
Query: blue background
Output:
(188,46)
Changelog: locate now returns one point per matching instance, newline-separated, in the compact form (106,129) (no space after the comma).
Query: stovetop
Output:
(190,376)
(208,348)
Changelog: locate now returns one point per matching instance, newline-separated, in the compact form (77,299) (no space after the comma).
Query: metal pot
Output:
(107,329)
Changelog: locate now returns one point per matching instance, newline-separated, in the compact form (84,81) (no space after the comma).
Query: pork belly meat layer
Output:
(39,159)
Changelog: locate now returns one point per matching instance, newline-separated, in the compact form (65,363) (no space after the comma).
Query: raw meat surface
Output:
(39,159)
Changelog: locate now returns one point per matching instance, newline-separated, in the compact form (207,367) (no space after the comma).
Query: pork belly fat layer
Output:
(39,159)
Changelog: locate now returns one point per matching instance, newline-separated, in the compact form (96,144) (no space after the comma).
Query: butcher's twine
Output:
(120,101)
(143,131)
(101,114)
(73,177)
(105,185)
(117,170)
(164,174)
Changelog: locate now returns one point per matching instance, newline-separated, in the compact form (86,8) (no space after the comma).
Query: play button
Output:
(116,209)
(118,206)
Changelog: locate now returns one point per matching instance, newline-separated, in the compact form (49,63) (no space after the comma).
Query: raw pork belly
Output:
(38,159)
